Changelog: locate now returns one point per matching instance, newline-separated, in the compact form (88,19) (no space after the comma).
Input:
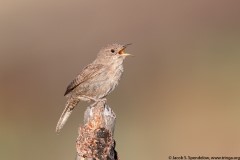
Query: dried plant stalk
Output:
(95,140)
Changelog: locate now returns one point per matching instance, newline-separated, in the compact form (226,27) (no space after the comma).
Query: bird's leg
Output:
(88,98)
(102,100)
(94,99)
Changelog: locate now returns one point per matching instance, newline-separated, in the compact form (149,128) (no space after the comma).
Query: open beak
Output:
(122,52)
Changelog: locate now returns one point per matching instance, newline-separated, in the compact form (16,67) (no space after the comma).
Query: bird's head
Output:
(113,53)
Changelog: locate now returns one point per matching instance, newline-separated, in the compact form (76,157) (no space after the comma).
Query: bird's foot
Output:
(100,100)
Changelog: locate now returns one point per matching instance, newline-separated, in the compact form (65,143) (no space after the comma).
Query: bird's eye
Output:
(112,50)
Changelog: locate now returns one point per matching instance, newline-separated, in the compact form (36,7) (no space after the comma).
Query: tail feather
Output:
(71,103)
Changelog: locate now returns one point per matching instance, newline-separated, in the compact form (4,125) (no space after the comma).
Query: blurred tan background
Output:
(179,95)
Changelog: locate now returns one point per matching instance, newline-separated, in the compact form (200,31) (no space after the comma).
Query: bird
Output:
(96,80)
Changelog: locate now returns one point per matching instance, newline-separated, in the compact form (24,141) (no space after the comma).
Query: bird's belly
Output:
(102,88)
(100,85)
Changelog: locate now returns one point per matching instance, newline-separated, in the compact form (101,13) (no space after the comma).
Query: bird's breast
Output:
(108,81)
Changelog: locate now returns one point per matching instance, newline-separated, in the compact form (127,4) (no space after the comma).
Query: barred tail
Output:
(71,103)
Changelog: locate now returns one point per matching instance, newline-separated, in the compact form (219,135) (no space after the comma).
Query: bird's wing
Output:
(88,72)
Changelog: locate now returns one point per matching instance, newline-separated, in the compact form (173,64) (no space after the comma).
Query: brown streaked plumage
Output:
(96,80)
